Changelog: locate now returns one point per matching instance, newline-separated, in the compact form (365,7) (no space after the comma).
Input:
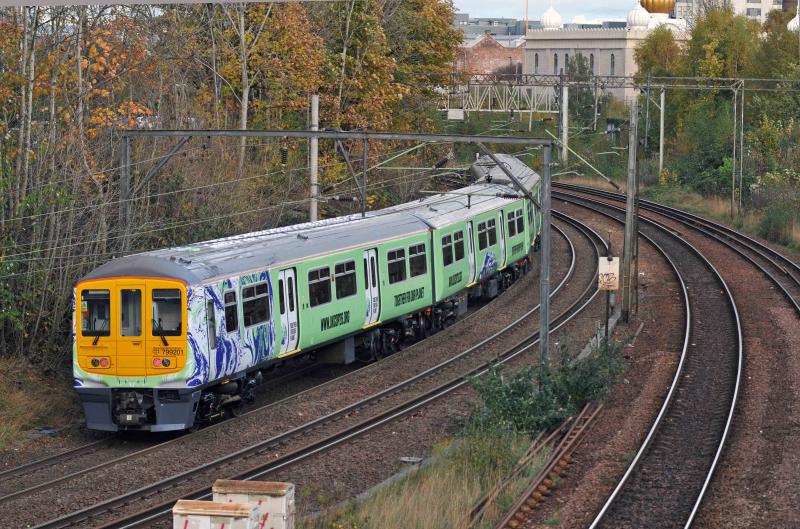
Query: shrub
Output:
(776,226)
(523,405)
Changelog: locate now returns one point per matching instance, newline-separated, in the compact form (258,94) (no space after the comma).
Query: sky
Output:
(570,10)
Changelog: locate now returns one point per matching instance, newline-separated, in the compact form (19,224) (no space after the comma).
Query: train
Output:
(167,340)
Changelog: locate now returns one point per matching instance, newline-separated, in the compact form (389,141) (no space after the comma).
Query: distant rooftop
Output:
(502,27)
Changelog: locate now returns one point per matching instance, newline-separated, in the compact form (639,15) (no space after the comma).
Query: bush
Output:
(776,226)
(522,405)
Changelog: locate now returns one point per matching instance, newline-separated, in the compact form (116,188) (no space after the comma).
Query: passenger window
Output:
(483,240)
(255,304)
(520,222)
(512,225)
(281,301)
(231,312)
(417,260)
(447,250)
(95,312)
(166,312)
(211,326)
(345,279)
(397,265)
(459,244)
(130,313)
(492,231)
(319,286)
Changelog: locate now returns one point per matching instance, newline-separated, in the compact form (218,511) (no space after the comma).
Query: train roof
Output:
(239,254)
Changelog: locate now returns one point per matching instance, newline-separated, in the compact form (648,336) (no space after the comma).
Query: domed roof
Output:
(794,24)
(658,6)
(638,17)
(551,19)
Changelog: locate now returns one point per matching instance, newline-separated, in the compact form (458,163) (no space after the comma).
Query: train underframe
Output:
(168,409)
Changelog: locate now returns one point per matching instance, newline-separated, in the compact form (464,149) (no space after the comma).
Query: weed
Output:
(552,520)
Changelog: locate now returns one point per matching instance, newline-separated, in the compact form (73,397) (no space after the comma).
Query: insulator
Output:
(284,154)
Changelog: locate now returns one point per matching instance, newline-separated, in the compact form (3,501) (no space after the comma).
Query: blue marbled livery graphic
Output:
(259,341)
(197,331)
(78,383)
(489,265)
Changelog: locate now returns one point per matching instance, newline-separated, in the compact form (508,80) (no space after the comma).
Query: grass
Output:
(441,494)
(32,400)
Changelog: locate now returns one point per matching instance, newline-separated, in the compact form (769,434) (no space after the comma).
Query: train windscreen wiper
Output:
(97,336)
(160,330)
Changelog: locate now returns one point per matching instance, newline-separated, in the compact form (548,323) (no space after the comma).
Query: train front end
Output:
(131,359)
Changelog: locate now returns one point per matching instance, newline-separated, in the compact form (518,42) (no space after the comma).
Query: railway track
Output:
(665,483)
(782,271)
(92,458)
(333,429)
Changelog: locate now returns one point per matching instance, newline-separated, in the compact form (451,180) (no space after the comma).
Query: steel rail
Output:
(138,453)
(365,425)
(676,379)
(724,235)
(52,459)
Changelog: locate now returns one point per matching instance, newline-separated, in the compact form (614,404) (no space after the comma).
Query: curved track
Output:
(666,481)
(331,430)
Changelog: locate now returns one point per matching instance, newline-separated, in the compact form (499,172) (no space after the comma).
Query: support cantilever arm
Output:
(509,174)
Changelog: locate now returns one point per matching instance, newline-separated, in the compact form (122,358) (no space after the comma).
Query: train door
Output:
(471,253)
(131,357)
(371,287)
(287,294)
(501,260)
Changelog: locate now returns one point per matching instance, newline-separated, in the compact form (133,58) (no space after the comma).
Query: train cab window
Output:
(447,250)
(319,286)
(345,279)
(483,239)
(492,231)
(512,223)
(458,237)
(397,265)
(166,312)
(255,304)
(211,326)
(520,222)
(231,312)
(130,323)
(95,312)
(417,260)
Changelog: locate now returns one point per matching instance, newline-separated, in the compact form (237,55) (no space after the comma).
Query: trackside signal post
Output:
(340,136)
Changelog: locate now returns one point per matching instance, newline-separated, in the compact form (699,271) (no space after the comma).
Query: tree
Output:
(658,54)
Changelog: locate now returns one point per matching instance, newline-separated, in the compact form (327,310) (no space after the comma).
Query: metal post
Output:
(647,117)
(661,133)
(630,214)
(564,123)
(735,141)
(741,149)
(125,192)
(608,292)
(544,272)
(314,158)
(364,178)
(594,125)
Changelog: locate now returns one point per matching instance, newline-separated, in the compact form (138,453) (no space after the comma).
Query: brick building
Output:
(492,54)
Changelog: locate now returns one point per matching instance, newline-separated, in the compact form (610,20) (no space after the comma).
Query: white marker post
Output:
(608,280)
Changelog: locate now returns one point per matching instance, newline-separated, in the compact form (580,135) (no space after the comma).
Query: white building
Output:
(608,51)
(755,9)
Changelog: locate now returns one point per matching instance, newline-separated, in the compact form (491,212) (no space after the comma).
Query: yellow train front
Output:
(130,353)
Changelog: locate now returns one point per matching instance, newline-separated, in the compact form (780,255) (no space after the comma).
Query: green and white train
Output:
(169,338)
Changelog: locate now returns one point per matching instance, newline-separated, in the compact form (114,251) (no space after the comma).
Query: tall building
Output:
(755,9)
